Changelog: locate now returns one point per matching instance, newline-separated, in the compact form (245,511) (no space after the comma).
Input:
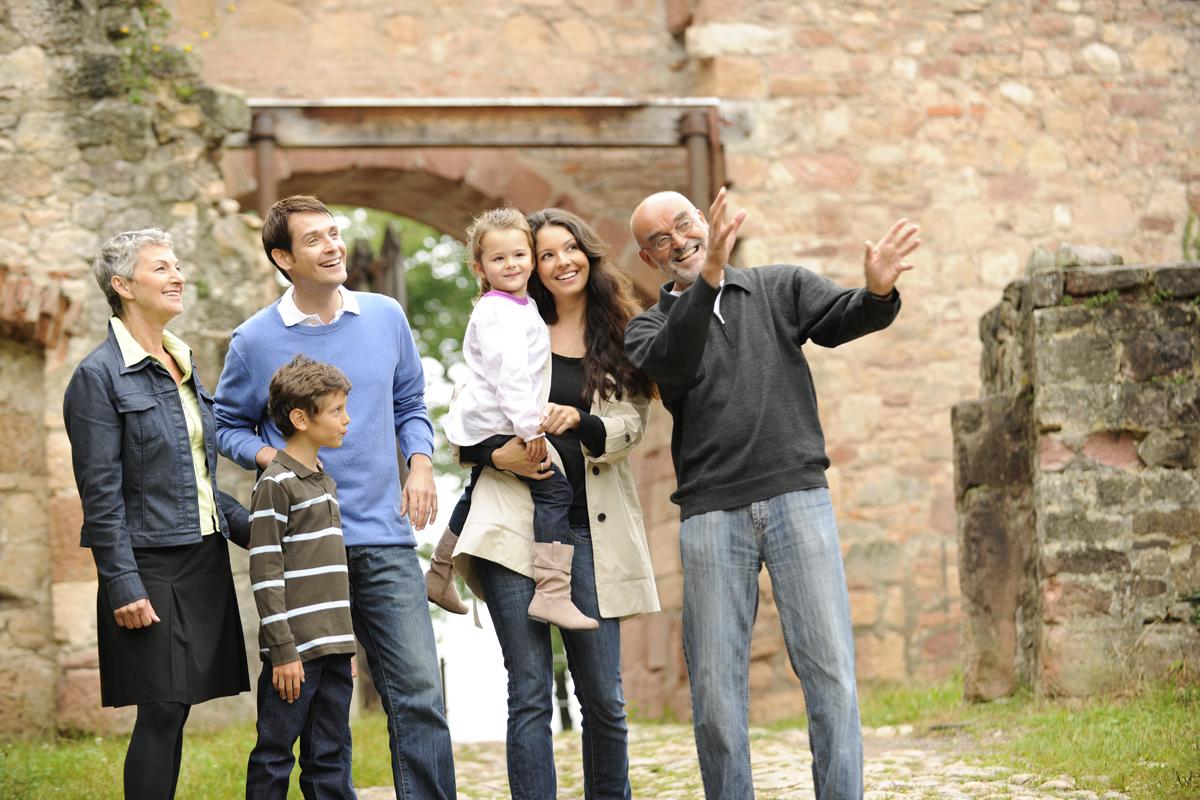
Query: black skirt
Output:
(197,651)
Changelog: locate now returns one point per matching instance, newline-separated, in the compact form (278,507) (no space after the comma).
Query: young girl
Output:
(507,348)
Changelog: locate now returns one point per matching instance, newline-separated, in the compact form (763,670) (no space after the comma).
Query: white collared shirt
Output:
(716,304)
(291,314)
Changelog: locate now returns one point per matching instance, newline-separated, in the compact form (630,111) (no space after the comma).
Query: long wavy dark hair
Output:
(610,306)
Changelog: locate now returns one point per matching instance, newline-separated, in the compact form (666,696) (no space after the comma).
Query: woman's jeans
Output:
(795,535)
(594,658)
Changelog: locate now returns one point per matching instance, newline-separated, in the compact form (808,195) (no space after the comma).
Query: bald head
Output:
(659,204)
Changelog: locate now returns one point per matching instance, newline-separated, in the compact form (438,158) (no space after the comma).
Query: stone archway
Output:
(445,187)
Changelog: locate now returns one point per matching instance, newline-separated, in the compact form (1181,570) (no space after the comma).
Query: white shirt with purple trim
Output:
(506,347)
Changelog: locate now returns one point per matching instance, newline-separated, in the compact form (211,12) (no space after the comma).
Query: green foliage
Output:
(441,292)
(1067,300)
(145,56)
(1160,296)
(1101,300)
(1191,238)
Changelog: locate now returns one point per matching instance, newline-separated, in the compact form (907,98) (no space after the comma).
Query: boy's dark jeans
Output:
(320,718)
(552,499)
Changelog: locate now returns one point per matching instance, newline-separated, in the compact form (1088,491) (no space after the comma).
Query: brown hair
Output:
(302,383)
(610,306)
(275,231)
(497,219)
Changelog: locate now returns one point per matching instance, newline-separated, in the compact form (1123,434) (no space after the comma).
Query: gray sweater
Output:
(740,391)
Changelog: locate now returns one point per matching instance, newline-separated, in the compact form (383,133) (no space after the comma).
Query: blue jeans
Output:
(391,621)
(594,658)
(320,719)
(795,535)
(552,498)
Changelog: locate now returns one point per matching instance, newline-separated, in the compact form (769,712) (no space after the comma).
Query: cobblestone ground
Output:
(662,765)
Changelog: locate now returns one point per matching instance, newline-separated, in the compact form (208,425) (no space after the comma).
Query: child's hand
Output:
(535,450)
(286,678)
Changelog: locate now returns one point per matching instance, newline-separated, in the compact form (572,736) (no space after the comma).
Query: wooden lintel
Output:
(504,126)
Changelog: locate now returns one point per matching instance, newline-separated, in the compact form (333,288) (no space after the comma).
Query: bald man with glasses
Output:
(724,346)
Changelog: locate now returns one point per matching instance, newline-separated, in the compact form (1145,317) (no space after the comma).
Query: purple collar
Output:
(497,293)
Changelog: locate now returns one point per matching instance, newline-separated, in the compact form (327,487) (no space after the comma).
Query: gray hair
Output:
(119,255)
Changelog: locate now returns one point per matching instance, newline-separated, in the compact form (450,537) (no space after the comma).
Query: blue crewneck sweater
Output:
(386,404)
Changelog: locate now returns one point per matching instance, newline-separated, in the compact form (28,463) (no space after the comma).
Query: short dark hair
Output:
(302,383)
(275,231)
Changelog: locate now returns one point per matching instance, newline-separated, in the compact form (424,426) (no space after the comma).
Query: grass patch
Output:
(214,764)
(1146,745)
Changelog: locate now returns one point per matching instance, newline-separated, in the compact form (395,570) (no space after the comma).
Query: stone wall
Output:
(1078,479)
(997,124)
(88,149)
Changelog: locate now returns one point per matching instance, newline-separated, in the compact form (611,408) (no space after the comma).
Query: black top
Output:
(738,386)
(566,389)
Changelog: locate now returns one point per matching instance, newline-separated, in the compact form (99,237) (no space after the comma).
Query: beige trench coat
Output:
(500,525)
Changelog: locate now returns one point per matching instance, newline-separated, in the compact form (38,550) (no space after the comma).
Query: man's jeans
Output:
(320,718)
(795,535)
(391,621)
(594,658)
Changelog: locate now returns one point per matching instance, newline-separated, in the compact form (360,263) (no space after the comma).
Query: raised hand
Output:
(883,261)
(722,235)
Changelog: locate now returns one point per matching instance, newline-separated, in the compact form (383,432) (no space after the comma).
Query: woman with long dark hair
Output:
(595,415)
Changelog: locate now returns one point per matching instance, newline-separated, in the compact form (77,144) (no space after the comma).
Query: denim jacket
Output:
(133,465)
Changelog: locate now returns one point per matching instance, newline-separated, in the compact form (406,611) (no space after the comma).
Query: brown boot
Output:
(552,597)
(439,580)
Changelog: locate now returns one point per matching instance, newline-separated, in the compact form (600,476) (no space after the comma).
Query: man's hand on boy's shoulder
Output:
(286,678)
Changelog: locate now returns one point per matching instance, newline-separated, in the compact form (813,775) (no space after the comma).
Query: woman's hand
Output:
(138,614)
(511,457)
(557,418)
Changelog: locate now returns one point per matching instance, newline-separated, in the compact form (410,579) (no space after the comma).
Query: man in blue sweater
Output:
(367,337)
(724,347)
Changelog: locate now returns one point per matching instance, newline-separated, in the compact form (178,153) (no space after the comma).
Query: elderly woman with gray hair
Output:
(144,451)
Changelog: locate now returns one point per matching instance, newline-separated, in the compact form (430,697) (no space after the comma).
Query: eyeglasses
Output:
(663,240)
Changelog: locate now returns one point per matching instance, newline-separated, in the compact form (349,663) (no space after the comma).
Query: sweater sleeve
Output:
(667,342)
(503,344)
(831,315)
(240,403)
(414,431)
(95,430)
(268,523)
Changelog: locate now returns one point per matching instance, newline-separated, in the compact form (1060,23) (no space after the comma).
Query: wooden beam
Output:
(475,124)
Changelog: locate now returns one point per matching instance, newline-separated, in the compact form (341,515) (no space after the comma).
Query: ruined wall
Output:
(1078,482)
(92,142)
(998,124)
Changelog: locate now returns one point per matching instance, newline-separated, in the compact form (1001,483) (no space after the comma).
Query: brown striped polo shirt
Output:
(298,564)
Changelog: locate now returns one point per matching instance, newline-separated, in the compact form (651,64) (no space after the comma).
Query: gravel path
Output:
(662,765)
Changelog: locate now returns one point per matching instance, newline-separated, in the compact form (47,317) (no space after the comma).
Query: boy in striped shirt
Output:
(301,587)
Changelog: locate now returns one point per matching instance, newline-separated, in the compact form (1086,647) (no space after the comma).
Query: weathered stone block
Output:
(1172,449)
(1181,280)
(1053,454)
(1086,561)
(995,543)
(1045,287)
(97,74)
(224,107)
(1064,599)
(1082,255)
(1116,449)
(1092,280)
(991,442)
(871,563)
(1083,357)
(1157,352)
(1181,523)
(1077,525)
(20,452)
